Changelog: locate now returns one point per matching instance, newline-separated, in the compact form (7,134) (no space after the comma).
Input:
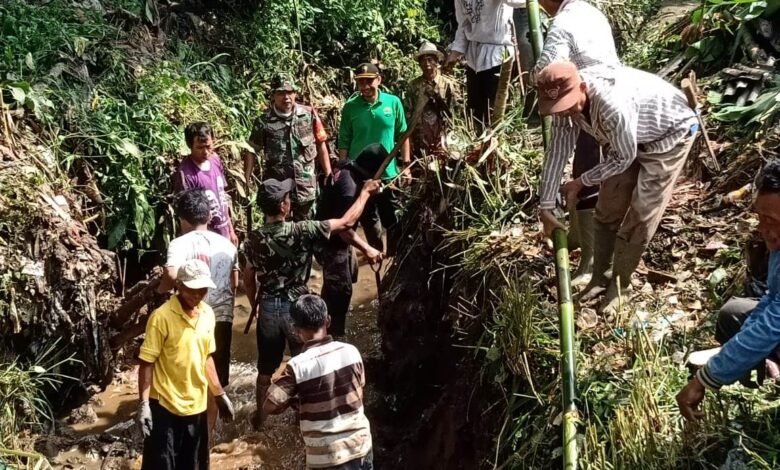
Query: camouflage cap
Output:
(283,83)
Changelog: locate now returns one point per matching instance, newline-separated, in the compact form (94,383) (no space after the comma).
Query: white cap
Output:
(195,274)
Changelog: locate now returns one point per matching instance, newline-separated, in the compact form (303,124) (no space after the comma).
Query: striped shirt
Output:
(628,109)
(328,378)
(579,33)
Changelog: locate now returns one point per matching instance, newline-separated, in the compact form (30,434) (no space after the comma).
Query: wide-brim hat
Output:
(428,48)
(558,85)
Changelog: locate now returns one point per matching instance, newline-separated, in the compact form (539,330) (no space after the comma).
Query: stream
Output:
(237,446)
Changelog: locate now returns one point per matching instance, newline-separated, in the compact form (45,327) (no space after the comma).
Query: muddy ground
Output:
(106,439)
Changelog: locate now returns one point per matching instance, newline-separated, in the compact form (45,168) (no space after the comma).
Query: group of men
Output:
(630,133)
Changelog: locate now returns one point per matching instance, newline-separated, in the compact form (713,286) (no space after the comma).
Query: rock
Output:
(85,414)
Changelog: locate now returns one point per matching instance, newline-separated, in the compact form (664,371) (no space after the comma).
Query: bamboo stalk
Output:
(568,366)
(534,25)
(502,94)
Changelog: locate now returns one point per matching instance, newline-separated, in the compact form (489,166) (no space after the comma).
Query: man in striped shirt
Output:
(327,378)
(580,33)
(648,127)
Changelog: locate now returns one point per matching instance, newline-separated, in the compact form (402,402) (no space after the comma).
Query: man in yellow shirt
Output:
(175,374)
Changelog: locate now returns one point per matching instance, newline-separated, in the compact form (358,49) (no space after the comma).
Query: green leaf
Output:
(117,233)
(18,94)
(128,149)
(28,60)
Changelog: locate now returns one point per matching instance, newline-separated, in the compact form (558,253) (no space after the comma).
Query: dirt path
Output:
(278,446)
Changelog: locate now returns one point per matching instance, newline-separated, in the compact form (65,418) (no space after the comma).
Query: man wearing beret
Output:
(648,128)
(372,116)
(292,139)
(278,264)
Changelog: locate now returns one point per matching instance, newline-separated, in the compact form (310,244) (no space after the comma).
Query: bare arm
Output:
(234,280)
(351,217)
(211,374)
(350,236)
(145,375)
(250,285)
(168,280)
(324,157)
(249,168)
(405,152)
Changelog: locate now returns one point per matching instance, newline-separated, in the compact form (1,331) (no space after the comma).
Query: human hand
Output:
(689,399)
(452,58)
(549,222)
(233,237)
(372,186)
(143,418)
(571,189)
(329,179)
(406,176)
(225,408)
(374,256)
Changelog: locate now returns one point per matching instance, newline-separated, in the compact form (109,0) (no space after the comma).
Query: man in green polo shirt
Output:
(373,117)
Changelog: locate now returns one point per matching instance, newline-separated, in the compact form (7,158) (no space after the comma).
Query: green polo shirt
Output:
(362,124)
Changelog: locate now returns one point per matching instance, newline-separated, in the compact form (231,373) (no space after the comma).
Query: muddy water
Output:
(237,445)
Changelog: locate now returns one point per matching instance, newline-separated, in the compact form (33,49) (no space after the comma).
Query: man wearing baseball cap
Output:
(278,264)
(372,116)
(648,127)
(429,137)
(292,140)
(579,33)
(175,374)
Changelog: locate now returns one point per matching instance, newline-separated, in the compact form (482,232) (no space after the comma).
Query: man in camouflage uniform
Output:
(278,263)
(429,137)
(291,137)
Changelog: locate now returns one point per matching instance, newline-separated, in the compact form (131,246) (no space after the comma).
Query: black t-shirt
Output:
(338,198)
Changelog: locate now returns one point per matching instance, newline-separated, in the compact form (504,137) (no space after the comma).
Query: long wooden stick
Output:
(568,366)
(409,129)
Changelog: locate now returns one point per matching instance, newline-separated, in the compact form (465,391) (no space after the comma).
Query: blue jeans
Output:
(274,330)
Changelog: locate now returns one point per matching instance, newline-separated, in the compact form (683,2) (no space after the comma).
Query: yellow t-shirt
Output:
(179,346)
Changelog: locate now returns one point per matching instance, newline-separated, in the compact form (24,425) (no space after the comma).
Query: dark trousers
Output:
(481,90)
(366,463)
(337,286)
(587,154)
(380,212)
(177,442)
(274,331)
(223,337)
(732,316)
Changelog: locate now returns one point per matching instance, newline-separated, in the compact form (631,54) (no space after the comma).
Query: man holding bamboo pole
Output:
(649,128)
(579,33)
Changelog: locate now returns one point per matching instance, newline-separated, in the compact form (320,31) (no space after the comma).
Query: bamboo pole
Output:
(534,25)
(568,366)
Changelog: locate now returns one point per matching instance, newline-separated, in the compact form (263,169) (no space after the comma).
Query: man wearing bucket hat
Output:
(579,33)
(648,127)
(176,373)
(429,137)
(372,116)
(278,264)
(292,140)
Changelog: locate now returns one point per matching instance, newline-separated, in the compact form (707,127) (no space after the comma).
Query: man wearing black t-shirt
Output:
(337,263)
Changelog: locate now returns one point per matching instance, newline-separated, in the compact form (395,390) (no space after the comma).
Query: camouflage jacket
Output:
(289,146)
(429,134)
(280,255)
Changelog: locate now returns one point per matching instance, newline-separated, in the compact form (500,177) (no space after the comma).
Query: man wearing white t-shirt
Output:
(198,242)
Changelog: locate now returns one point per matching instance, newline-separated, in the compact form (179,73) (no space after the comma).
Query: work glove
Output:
(225,408)
(143,418)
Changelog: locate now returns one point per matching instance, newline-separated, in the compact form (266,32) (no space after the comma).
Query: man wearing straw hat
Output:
(429,137)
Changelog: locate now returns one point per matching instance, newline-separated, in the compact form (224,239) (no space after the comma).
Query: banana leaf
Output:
(759,111)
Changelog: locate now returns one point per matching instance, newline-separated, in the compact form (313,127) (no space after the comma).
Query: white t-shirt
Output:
(221,256)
